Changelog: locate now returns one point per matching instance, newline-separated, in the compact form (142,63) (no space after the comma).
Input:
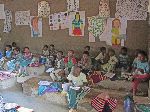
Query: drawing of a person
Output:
(116,26)
(35,29)
(77,25)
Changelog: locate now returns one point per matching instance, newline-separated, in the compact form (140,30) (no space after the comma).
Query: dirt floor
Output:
(15,95)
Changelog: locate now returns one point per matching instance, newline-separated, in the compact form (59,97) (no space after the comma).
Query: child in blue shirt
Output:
(140,71)
(7,56)
(8,52)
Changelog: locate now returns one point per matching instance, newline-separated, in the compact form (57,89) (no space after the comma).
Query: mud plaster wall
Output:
(137,31)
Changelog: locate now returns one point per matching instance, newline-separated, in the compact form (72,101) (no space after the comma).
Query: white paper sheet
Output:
(132,9)
(2,12)
(22,17)
(43,9)
(104,9)
(72,5)
(58,21)
(8,21)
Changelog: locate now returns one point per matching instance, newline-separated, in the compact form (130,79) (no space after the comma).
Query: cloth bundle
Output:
(6,75)
(49,87)
(142,108)
(103,103)
(96,77)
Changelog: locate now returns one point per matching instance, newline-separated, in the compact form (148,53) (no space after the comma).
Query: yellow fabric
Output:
(115,36)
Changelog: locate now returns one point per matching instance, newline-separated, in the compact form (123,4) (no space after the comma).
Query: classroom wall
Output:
(137,31)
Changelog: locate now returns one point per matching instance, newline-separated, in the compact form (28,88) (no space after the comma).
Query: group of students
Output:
(78,70)
(105,62)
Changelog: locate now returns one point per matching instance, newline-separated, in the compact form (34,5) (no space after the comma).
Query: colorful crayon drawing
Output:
(77,24)
(116,25)
(36,26)
(116,31)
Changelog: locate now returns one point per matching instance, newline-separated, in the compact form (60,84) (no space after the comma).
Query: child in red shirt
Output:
(70,60)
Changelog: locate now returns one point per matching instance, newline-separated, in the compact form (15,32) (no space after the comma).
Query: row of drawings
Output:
(75,21)
(130,9)
(56,21)
(23,18)
(44,7)
(111,30)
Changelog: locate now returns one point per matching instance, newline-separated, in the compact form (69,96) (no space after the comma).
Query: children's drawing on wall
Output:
(64,20)
(96,25)
(58,21)
(104,10)
(76,23)
(132,9)
(36,26)
(2,12)
(22,17)
(43,9)
(72,5)
(54,21)
(117,29)
(8,21)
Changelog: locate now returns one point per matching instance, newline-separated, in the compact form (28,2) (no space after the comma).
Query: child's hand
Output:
(141,70)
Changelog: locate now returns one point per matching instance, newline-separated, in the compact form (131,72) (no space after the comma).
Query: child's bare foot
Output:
(72,110)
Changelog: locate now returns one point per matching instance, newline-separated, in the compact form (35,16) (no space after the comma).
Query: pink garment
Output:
(137,80)
(35,65)
(66,59)
(28,55)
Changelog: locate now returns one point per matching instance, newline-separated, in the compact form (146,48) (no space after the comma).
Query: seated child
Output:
(8,52)
(85,62)
(45,54)
(87,48)
(45,51)
(70,61)
(136,57)
(58,75)
(59,62)
(7,56)
(50,61)
(16,53)
(101,59)
(14,45)
(52,50)
(78,81)
(123,59)
(27,54)
(141,71)
(112,62)
(102,55)
(13,65)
